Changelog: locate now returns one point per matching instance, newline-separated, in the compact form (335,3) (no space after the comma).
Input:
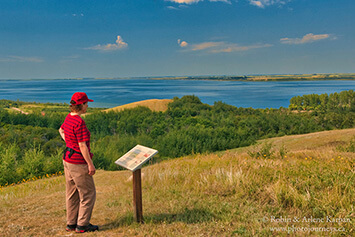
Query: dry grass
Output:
(314,141)
(222,194)
(153,104)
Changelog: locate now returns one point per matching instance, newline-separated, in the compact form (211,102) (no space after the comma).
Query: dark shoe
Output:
(87,228)
(70,227)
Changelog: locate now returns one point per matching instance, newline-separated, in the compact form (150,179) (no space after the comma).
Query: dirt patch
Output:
(19,110)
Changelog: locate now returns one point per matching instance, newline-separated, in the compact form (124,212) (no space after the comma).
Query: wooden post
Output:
(134,160)
(137,196)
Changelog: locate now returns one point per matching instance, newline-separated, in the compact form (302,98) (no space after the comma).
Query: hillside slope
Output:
(153,104)
(222,194)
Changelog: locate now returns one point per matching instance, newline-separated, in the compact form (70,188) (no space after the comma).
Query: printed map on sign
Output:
(136,157)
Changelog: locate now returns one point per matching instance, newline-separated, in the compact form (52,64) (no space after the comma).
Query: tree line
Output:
(336,102)
(30,145)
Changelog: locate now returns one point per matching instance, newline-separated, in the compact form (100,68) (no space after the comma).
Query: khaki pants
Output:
(80,194)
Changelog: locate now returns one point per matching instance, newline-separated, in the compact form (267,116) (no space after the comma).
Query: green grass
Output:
(223,194)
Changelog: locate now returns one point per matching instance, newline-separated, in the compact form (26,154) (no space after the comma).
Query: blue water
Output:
(111,93)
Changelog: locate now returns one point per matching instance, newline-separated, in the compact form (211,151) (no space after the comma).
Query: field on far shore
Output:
(268,77)
(261,190)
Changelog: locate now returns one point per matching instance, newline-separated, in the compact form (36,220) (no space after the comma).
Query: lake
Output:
(115,92)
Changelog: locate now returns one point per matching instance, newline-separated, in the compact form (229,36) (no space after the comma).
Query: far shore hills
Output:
(260,77)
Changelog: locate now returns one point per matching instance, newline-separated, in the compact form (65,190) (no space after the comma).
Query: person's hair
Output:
(75,108)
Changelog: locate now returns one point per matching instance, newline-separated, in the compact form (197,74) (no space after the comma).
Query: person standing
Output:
(78,167)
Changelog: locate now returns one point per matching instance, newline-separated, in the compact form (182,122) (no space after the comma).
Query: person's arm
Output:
(61,132)
(86,154)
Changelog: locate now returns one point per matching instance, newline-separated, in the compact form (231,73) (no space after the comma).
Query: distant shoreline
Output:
(281,77)
(256,78)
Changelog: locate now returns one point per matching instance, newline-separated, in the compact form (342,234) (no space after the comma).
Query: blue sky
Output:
(132,38)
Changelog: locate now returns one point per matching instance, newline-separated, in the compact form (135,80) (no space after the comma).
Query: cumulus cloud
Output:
(196,1)
(120,44)
(308,38)
(219,47)
(182,43)
(265,3)
(257,3)
(21,59)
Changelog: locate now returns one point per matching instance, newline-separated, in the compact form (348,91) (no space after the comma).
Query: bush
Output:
(33,163)
(8,162)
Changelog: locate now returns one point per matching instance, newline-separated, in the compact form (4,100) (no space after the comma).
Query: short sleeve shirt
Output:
(75,131)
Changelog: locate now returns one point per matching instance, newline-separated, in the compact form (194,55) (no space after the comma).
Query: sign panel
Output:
(136,157)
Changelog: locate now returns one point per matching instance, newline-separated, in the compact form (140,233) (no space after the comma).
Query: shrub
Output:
(8,162)
(33,163)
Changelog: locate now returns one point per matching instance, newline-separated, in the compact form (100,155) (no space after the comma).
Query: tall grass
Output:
(223,194)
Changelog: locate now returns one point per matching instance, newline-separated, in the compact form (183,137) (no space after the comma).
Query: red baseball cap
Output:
(80,98)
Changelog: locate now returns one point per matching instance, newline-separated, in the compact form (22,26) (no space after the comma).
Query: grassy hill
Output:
(241,192)
(153,104)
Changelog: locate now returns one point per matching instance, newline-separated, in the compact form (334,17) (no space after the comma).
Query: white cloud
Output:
(182,43)
(77,15)
(236,48)
(196,1)
(265,3)
(172,8)
(185,1)
(220,47)
(226,1)
(206,45)
(257,3)
(120,44)
(181,6)
(308,38)
(21,59)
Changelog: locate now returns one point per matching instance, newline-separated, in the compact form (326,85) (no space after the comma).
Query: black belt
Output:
(71,152)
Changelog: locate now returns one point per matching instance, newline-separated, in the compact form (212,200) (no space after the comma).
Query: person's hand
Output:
(92,170)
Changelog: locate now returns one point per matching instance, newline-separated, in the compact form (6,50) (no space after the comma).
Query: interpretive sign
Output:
(136,157)
(133,160)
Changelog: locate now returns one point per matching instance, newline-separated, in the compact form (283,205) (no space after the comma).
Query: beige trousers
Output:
(80,194)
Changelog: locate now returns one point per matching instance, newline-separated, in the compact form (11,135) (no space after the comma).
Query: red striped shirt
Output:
(75,131)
